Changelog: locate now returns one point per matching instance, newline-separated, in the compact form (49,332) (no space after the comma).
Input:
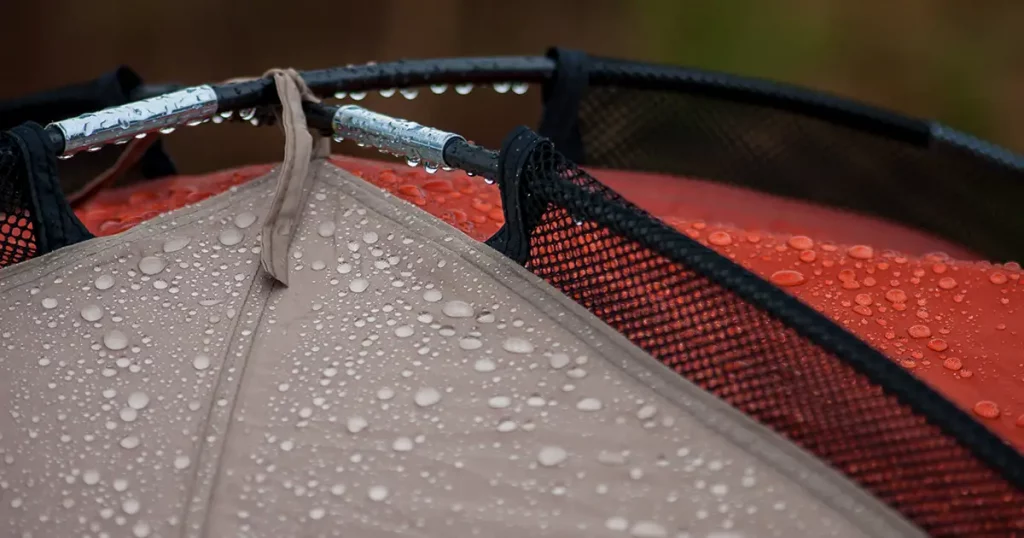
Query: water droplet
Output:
(952,363)
(947,283)
(558,360)
(616,523)
(326,228)
(788,277)
(457,309)
(646,412)
(201,361)
(129,442)
(402,444)
(499,402)
(245,219)
(141,529)
(517,345)
(357,96)
(104,282)
(987,409)
(378,493)
(485,317)
(317,513)
(151,265)
(896,296)
(720,239)
(464,89)
(937,344)
(430,168)
(410,93)
(861,252)
(427,396)
(338,490)
(370,238)
(648,529)
(138,400)
(469,343)
(438,89)
(49,303)
(919,331)
(91,477)
(432,296)
(589,404)
(519,88)
(356,424)
(175,244)
(502,87)
(404,331)
(359,285)
(551,456)
(997,278)
(230,237)
(115,340)
(340,95)
(484,365)
(385,394)
(800,242)
(387,92)
(128,414)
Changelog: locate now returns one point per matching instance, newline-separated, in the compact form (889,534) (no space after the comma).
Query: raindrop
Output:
(387,92)
(519,88)
(370,238)
(438,89)
(987,409)
(469,343)
(91,477)
(464,89)
(247,113)
(378,493)
(457,309)
(551,456)
(404,331)
(558,360)
(430,168)
(167,130)
(317,513)
(201,361)
(182,462)
(104,282)
(506,426)
(788,277)
(115,340)
(720,239)
(589,404)
(409,93)
(128,414)
(151,265)
(138,400)
(357,96)
(616,523)
(402,444)
(517,345)
(340,95)
(245,219)
(485,317)
(648,529)
(502,87)
(176,243)
(432,296)
(359,285)
(141,529)
(919,331)
(499,402)
(356,424)
(427,396)
(130,442)
(49,303)
(230,237)
(338,490)
(646,412)
(800,242)
(861,252)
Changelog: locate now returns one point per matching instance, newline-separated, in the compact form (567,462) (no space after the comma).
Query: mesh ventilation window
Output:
(804,145)
(17,241)
(642,278)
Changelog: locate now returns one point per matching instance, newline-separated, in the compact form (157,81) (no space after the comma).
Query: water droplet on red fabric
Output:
(720,239)
(847,275)
(997,277)
(986,409)
(800,242)
(939,268)
(947,283)
(952,363)
(966,373)
(808,256)
(896,296)
(788,277)
(937,344)
(863,299)
(919,331)
(861,252)
(862,310)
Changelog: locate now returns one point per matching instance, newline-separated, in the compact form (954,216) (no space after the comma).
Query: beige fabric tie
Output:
(301,147)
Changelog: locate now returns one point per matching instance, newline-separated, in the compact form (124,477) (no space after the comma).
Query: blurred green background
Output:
(956,61)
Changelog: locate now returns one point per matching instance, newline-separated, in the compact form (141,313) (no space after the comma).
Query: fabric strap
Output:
(301,146)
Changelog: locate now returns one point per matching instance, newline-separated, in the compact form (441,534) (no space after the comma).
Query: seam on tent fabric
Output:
(786,458)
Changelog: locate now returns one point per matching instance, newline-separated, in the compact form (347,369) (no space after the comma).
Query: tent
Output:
(665,313)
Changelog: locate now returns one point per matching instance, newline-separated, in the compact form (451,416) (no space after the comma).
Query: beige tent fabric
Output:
(409,382)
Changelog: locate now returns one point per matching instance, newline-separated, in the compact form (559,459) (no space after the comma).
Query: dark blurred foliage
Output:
(960,62)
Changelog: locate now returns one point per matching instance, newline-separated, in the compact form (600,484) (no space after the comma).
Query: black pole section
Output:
(471,158)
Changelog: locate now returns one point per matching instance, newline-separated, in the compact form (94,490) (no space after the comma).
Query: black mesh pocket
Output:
(16,229)
(763,352)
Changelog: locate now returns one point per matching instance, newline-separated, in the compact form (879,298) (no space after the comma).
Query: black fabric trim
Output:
(562,95)
(513,239)
(55,224)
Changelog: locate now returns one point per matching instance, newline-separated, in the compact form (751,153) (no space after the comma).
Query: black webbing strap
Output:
(513,239)
(53,221)
(562,95)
